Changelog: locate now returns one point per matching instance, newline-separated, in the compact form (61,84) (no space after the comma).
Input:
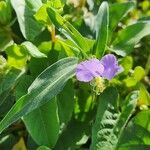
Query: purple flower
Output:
(107,68)
(89,69)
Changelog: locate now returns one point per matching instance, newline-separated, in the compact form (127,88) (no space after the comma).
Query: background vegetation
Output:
(42,105)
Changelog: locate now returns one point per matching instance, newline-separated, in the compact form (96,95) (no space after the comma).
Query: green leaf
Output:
(67,29)
(43,148)
(127,63)
(139,73)
(43,124)
(34,5)
(130,81)
(10,79)
(117,12)
(102,21)
(65,102)
(43,10)
(43,18)
(68,49)
(110,123)
(33,50)
(17,56)
(5,39)
(144,96)
(29,27)
(140,138)
(3,65)
(71,135)
(47,120)
(5,12)
(23,85)
(8,82)
(125,42)
(46,86)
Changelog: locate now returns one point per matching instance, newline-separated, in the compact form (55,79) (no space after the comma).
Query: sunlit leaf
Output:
(46,86)
(5,12)
(29,27)
(138,73)
(102,21)
(17,56)
(33,50)
(67,29)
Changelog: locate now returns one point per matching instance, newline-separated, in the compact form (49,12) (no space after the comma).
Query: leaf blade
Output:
(33,50)
(41,91)
(102,22)
(110,123)
(124,44)
(67,29)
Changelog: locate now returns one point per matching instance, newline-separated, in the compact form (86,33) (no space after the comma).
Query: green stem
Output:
(147,67)
(93,100)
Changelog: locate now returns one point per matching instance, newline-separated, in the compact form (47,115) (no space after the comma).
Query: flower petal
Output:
(89,69)
(111,66)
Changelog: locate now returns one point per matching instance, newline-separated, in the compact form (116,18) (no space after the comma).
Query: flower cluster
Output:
(106,68)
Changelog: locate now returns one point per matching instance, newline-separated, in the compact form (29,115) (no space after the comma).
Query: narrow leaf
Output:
(67,29)
(102,21)
(46,86)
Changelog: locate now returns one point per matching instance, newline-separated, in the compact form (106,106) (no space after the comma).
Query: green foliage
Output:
(117,12)
(125,42)
(8,83)
(102,21)
(45,128)
(17,56)
(33,50)
(42,148)
(28,25)
(67,29)
(71,135)
(41,90)
(5,39)
(110,123)
(141,126)
(66,103)
(43,106)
